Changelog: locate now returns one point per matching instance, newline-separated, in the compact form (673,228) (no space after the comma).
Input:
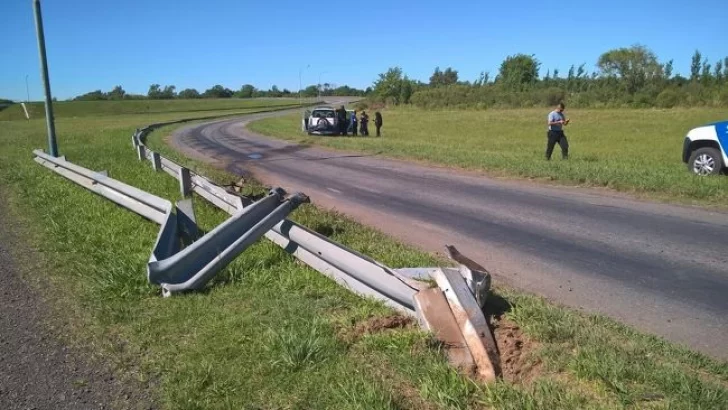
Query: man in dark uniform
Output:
(364,120)
(342,120)
(556,120)
(378,122)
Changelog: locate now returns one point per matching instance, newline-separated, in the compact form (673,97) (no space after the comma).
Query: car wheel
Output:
(705,161)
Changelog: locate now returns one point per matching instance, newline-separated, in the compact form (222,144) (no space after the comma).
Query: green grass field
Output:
(67,109)
(270,333)
(636,151)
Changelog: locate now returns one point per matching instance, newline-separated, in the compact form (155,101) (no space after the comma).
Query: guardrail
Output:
(349,268)
(173,268)
(453,311)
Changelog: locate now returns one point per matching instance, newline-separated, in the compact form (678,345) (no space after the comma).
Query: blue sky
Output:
(134,43)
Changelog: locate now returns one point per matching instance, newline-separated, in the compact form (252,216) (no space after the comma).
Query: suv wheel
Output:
(705,161)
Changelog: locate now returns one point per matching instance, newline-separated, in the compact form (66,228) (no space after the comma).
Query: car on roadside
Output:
(322,121)
(705,148)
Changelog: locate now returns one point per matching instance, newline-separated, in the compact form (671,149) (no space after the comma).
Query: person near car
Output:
(556,122)
(353,123)
(364,120)
(378,122)
(342,121)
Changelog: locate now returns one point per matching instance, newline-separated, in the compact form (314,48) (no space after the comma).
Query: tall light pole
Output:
(27,90)
(319,84)
(300,70)
(52,146)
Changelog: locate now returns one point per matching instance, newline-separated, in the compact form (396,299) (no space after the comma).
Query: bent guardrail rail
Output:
(169,266)
(194,266)
(357,272)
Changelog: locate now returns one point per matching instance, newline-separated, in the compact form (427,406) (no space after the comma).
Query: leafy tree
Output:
(668,69)
(706,76)
(97,95)
(518,71)
(168,92)
(635,66)
(443,78)
(389,85)
(695,66)
(154,92)
(218,91)
(189,93)
(246,91)
(117,93)
(718,71)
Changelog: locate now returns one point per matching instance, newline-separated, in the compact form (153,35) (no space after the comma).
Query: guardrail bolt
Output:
(156,161)
(185,181)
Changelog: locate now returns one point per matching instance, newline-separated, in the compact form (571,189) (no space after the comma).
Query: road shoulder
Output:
(38,367)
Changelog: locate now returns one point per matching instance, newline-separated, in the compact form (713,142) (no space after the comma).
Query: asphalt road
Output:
(660,268)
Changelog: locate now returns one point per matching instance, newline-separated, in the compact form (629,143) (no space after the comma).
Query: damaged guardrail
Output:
(192,267)
(350,269)
(453,310)
(173,268)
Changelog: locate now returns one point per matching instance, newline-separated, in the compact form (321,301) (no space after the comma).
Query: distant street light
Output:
(52,146)
(300,70)
(319,84)
(27,89)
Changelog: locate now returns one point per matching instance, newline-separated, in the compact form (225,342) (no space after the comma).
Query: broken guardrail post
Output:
(156,161)
(185,181)
(434,315)
(472,322)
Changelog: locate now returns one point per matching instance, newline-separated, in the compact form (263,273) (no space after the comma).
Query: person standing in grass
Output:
(364,120)
(378,123)
(556,122)
(342,121)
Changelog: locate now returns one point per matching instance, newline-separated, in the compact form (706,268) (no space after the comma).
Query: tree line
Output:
(168,92)
(624,77)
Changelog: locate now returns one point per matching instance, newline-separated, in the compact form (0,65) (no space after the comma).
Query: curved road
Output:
(661,268)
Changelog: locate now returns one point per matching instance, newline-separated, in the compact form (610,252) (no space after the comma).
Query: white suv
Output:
(321,121)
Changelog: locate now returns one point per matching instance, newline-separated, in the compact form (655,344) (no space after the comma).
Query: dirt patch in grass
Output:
(518,363)
(379,324)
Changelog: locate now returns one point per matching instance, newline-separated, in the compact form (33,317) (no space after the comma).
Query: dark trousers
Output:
(555,137)
(353,128)
(379,127)
(364,130)
(343,125)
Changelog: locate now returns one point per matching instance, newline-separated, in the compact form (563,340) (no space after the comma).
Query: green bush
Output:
(668,98)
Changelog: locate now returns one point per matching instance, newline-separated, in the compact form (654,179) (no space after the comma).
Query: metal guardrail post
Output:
(156,161)
(185,181)
(141,152)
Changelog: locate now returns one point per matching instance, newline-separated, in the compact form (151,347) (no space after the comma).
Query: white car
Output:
(322,121)
(705,148)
